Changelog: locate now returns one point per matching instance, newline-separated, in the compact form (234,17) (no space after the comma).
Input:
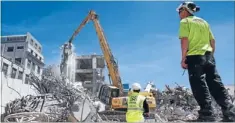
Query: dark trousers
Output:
(205,82)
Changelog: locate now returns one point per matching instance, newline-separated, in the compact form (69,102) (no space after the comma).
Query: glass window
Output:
(5,68)
(20,76)
(38,70)
(27,79)
(33,66)
(31,42)
(20,47)
(29,63)
(18,61)
(13,73)
(10,49)
(114,93)
(1,48)
(39,49)
(23,38)
(8,39)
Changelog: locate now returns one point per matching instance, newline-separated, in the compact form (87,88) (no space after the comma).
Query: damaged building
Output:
(24,51)
(90,70)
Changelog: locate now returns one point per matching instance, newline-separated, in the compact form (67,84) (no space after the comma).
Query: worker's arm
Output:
(184,48)
(146,106)
(183,35)
(212,40)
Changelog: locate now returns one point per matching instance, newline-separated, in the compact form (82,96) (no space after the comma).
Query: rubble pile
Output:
(178,104)
(45,103)
(55,99)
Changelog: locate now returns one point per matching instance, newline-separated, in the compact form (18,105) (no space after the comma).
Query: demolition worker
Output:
(198,47)
(137,106)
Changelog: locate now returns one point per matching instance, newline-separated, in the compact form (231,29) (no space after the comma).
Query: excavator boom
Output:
(84,22)
(111,63)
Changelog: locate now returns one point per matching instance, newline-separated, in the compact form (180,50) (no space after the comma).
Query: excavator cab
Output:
(120,103)
(107,93)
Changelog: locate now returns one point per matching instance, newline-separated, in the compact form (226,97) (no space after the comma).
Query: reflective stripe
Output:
(136,109)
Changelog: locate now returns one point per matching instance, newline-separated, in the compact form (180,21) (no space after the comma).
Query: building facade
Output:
(11,69)
(24,51)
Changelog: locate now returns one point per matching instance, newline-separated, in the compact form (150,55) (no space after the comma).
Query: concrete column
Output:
(17,73)
(23,78)
(73,69)
(94,79)
(25,63)
(9,70)
(94,62)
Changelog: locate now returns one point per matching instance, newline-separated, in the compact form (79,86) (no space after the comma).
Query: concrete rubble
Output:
(178,104)
(62,102)
(57,101)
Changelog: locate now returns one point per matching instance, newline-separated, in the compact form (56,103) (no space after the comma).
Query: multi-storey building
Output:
(24,51)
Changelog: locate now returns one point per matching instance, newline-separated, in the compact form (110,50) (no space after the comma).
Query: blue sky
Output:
(142,35)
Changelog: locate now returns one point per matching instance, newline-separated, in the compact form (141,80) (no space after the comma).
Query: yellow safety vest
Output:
(135,108)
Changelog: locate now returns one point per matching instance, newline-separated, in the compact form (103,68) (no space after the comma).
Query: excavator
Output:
(111,95)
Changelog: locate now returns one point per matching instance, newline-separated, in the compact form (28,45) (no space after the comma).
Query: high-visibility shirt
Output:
(135,108)
(198,33)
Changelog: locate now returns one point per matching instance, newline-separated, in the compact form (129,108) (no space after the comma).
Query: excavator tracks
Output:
(111,115)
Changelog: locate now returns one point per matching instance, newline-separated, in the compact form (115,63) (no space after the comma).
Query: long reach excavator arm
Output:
(111,63)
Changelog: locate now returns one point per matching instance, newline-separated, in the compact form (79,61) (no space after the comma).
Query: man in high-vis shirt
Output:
(198,47)
(137,105)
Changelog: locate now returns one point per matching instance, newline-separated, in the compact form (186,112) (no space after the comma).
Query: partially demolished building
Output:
(25,52)
(90,71)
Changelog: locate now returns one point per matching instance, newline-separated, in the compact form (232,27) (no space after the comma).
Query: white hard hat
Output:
(136,86)
(190,6)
